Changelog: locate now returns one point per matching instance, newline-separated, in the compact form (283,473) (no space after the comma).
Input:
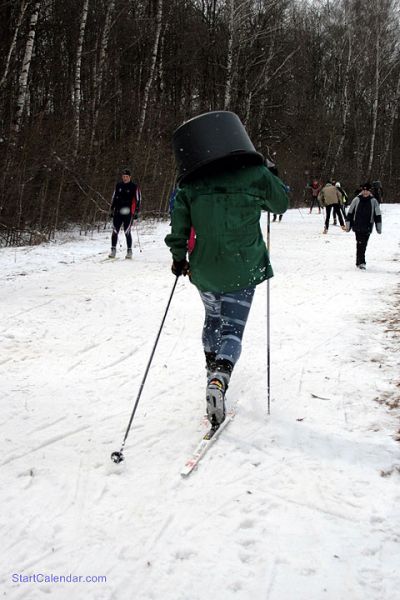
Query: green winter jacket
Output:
(225,209)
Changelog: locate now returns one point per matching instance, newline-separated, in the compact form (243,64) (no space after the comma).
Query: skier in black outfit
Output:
(124,209)
(364,211)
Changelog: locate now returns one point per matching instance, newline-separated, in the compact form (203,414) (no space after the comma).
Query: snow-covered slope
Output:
(287,507)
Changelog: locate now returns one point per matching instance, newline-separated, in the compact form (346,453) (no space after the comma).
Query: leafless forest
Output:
(88,87)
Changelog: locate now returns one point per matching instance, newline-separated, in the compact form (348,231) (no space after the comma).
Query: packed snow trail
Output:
(287,507)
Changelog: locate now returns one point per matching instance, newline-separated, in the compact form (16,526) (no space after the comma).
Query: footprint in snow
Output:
(247,524)
(185,554)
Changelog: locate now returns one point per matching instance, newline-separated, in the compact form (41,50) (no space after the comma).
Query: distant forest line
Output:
(88,87)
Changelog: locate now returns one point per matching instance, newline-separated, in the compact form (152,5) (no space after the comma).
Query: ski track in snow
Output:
(286,507)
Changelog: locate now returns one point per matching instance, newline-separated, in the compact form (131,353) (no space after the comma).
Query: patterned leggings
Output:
(225,320)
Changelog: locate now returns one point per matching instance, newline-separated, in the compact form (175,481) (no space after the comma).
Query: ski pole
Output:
(301,214)
(137,231)
(268,327)
(118,457)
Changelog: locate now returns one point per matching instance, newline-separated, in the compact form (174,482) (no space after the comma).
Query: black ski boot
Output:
(216,389)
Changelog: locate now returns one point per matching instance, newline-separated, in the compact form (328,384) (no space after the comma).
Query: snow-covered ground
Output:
(301,505)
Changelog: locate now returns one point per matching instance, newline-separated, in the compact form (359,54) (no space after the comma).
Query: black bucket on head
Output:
(211,137)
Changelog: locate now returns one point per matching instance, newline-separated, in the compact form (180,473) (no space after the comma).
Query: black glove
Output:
(180,267)
(135,216)
(111,214)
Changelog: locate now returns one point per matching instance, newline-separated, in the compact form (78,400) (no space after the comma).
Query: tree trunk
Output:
(374,106)
(23,78)
(389,133)
(57,211)
(346,101)
(13,44)
(229,58)
(142,117)
(100,72)
(77,78)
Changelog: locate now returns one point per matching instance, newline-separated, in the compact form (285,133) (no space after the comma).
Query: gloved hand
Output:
(111,214)
(180,267)
(135,216)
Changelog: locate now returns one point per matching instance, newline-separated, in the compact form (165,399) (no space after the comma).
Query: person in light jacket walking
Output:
(330,198)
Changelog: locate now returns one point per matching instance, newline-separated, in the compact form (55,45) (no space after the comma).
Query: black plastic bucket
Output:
(211,137)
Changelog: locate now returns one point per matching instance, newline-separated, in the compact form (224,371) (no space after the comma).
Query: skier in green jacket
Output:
(223,187)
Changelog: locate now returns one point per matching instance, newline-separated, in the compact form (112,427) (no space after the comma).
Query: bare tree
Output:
(229,56)
(13,43)
(77,78)
(23,78)
(153,60)
(345,98)
(99,76)
(375,105)
(394,110)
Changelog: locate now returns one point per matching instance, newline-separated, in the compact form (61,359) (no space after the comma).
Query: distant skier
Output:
(223,187)
(315,188)
(330,197)
(363,212)
(125,208)
(344,198)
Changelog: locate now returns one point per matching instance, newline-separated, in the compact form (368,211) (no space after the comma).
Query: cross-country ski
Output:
(208,439)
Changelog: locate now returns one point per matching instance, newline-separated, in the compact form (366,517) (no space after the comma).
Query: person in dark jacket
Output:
(125,208)
(223,202)
(363,212)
